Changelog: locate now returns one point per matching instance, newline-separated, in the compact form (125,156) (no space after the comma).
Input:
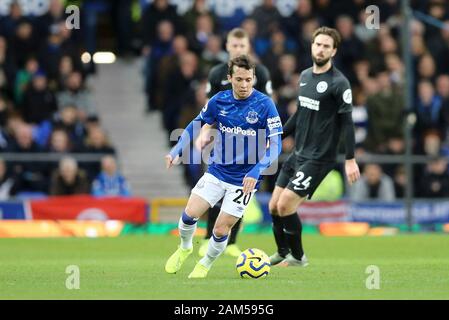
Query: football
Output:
(253,264)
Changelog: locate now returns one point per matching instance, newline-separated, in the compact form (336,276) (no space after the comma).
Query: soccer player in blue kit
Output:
(248,142)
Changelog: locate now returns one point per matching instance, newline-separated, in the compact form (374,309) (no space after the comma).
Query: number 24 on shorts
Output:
(299,183)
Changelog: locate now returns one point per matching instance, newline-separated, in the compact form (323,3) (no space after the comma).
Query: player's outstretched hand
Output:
(169,161)
(352,171)
(248,185)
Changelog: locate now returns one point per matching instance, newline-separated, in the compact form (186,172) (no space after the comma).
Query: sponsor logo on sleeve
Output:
(347,96)
(274,122)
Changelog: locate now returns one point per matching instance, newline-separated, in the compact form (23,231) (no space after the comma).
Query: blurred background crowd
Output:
(46,104)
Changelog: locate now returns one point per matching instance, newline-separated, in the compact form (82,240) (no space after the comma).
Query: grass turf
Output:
(132,267)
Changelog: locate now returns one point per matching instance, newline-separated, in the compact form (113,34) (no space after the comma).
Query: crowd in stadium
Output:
(45,106)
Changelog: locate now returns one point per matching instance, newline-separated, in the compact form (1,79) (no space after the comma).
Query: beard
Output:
(320,62)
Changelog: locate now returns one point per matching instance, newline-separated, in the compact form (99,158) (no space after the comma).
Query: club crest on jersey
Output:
(252,117)
(321,86)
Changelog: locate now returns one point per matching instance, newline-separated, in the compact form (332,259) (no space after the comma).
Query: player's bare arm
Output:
(204,137)
(352,170)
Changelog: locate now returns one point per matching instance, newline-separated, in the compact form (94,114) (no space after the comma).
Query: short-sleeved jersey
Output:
(321,98)
(218,80)
(244,126)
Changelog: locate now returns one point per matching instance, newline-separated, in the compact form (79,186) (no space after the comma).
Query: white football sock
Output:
(215,248)
(186,227)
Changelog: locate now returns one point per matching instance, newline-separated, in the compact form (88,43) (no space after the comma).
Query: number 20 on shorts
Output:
(299,183)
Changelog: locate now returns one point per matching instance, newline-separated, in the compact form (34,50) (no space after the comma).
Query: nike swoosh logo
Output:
(298,188)
(302,84)
(287,232)
(224,82)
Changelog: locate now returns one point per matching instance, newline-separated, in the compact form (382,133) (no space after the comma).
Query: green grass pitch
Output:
(132,267)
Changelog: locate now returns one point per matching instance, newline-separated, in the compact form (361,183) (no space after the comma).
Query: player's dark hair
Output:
(242,61)
(238,33)
(331,32)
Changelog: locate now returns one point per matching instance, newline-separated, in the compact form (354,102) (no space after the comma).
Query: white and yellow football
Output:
(253,264)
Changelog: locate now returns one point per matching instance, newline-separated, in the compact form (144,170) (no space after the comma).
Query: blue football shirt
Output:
(243,126)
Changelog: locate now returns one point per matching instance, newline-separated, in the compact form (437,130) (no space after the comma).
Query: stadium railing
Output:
(50,156)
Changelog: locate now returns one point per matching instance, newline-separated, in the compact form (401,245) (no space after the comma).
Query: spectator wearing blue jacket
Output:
(110,182)
(428,109)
